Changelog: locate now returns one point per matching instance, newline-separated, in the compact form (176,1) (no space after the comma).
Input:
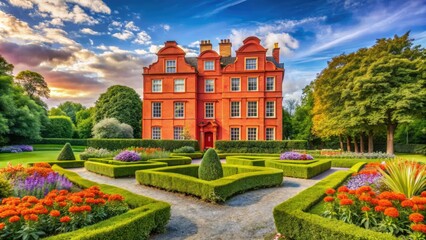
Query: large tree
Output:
(33,83)
(122,103)
(5,67)
(71,109)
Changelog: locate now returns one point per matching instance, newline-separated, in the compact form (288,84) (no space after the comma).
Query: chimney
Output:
(225,46)
(205,45)
(276,53)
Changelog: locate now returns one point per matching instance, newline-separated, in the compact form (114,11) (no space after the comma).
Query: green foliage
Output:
(259,146)
(59,127)
(407,177)
(56,112)
(71,109)
(117,171)
(62,141)
(33,83)
(64,163)
(5,187)
(97,153)
(409,148)
(347,163)
(114,144)
(210,166)
(85,119)
(147,216)
(411,133)
(112,128)
(66,153)
(6,69)
(184,149)
(194,155)
(287,125)
(184,179)
(122,103)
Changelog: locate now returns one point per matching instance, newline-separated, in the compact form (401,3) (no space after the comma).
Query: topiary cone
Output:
(210,167)
(66,153)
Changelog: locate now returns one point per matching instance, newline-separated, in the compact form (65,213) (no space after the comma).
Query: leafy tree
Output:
(122,103)
(71,109)
(5,67)
(59,127)
(287,125)
(112,128)
(56,112)
(411,133)
(85,120)
(33,83)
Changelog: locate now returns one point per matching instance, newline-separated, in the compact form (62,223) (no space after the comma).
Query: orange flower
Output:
(118,197)
(420,227)
(346,201)
(55,213)
(365,209)
(31,217)
(416,217)
(407,203)
(42,165)
(365,198)
(74,209)
(363,189)
(2,225)
(330,191)
(14,219)
(379,209)
(392,212)
(86,208)
(423,194)
(385,203)
(65,219)
(328,199)
(342,196)
(343,189)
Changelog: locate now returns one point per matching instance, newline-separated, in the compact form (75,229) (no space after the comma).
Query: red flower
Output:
(65,219)
(118,197)
(365,198)
(31,217)
(55,213)
(14,219)
(2,225)
(416,217)
(365,209)
(407,203)
(385,203)
(379,209)
(423,194)
(346,201)
(328,199)
(392,212)
(420,227)
(343,189)
(342,196)
(330,191)
(363,189)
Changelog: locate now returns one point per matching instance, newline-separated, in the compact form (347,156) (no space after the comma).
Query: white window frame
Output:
(205,109)
(248,84)
(174,85)
(153,133)
(175,136)
(169,68)
(239,109)
(266,109)
(257,134)
(205,85)
(273,134)
(239,85)
(248,109)
(273,84)
(250,58)
(155,85)
(205,64)
(175,109)
(231,136)
(153,109)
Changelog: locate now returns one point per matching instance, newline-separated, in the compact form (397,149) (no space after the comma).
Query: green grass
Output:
(54,147)
(415,157)
(26,157)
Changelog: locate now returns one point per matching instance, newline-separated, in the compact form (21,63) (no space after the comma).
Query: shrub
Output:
(295,156)
(210,167)
(114,144)
(66,153)
(117,171)
(128,156)
(112,128)
(59,127)
(259,146)
(5,188)
(184,149)
(96,153)
(62,141)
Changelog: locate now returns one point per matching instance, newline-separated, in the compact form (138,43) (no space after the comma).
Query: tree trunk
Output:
(348,143)
(361,143)
(370,142)
(341,142)
(389,138)
(355,145)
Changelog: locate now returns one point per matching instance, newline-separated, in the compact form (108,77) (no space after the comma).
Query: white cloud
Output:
(220,8)
(57,22)
(116,24)
(91,42)
(27,4)
(131,26)
(166,27)
(93,5)
(89,31)
(195,44)
(142,38)
(126,34)
(141,51)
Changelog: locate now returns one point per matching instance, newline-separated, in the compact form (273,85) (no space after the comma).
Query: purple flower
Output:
(364,180)
(295,156)
(38,186)
(128,156)
(16,149)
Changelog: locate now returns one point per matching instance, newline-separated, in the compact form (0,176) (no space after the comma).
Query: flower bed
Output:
(295,156)
(16,149)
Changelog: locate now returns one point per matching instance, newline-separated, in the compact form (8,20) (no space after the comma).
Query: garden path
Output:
(245,216)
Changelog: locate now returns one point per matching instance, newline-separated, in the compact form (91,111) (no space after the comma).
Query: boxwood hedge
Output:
(294,222)
(145,217)
(259,146)
(114,144)
(117,171)
(64,164)
(185,179)
(194,155)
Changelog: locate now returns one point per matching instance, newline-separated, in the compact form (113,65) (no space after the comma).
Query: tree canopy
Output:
(33,83)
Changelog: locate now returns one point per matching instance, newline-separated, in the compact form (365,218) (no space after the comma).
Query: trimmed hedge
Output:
(191,155)
(409,148)
(224,155)
(259,146)
(248,161)
(114,144)
(146,216)
(294,222)
(64,164)
(55,147)
(185,179)
(117,171)
(347,163)
(306,171)
(171,161)
(61,141)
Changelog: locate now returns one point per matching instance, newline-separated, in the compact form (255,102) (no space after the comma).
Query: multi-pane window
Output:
(270,84)
(157,85)
(270,134)
(270,109)
(251,133)
(156,133)
(179,85)
(209,110)
(251,63)
(235,84)
(179,110)
(251,109)
(252,84)
(235,109)
(156,109)
(208,65)
(177,133)
(235,134)
(209,85)
(170,66)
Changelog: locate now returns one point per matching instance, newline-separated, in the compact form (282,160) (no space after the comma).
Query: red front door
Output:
(208,139)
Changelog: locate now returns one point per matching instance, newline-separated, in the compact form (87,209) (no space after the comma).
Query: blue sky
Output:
(84,46)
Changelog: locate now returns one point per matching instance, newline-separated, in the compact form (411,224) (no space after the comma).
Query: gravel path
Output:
(245,216)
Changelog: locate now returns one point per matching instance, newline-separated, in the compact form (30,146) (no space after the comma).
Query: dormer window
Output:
(170,66)
(208,65)
(251,63)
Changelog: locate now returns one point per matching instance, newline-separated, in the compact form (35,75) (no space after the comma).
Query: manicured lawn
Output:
(417,157)
(36,156)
